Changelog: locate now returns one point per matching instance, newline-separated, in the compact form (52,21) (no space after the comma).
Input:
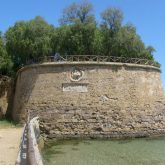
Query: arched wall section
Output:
(92,99)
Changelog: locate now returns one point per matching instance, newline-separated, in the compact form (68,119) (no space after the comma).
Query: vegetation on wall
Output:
(78,33)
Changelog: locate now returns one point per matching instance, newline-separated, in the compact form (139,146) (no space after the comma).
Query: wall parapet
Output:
(67,63)
(29,153)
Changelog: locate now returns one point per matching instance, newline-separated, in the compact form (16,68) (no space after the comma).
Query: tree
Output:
(98,47)
(83,38)
(5,60)
(112,18)
(77,28)
(111,23)
(29,40)
(61,40)
(74,39)
(150,50)
(119,40)
(77,12)
(77,34)
(128,44)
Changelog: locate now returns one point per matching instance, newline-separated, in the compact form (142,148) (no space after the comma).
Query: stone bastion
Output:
(91,99)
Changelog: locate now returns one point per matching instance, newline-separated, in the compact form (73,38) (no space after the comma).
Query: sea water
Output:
(143,151)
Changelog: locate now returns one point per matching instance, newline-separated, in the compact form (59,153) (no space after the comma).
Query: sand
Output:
(9,145)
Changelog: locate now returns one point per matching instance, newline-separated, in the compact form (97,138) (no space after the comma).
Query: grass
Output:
(4,123)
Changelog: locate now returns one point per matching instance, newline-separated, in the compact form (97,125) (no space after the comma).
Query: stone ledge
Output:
(147,67)
(29,153)
(115,135)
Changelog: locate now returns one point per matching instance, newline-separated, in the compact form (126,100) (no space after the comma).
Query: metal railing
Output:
(93,58)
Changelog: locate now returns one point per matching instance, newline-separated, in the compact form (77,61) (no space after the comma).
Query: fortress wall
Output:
(92,99)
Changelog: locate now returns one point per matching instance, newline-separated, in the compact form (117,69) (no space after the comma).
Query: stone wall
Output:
(5,93)
(29,153)
(92,99)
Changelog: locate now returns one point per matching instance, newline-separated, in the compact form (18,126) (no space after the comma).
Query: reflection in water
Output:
(105,152)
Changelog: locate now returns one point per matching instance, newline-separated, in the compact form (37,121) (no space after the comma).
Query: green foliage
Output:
(29,40)
(78,33)
(112,18)
(77,13)
(6,123)
(98,47)
(74,39)
(122,41)
(61,38)
(77,30)
(5,60)
(128,44)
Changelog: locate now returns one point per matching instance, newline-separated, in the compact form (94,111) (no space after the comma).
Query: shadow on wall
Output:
(24,85)
(5,94)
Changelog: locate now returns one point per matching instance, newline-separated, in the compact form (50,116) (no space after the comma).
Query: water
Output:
(105,152)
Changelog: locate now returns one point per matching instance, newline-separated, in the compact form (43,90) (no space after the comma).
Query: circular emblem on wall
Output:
(76,74)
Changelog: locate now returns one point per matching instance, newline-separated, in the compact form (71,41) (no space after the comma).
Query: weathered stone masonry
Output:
(6,90)
(82,99)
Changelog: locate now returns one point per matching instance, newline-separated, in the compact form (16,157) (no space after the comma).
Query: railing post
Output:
(97,58)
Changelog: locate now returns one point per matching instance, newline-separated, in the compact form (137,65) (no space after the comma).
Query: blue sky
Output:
(147,15)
